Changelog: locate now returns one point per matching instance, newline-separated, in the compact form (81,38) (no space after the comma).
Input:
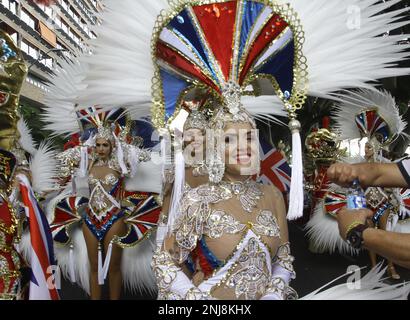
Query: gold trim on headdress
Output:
(11,82)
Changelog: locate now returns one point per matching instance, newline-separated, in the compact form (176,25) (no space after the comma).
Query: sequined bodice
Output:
(245,274)
(220,222)
(103,196)
(224,214)
(108,180)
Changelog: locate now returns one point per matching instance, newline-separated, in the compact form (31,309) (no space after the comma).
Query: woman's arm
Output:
(391,245)
(282,262)
(280,211)
(168,264)
(370,174)
(172,281)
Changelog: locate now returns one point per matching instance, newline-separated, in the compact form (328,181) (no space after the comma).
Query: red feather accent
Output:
(74,142)
(326,122)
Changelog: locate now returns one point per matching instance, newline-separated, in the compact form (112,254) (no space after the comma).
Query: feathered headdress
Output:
(260,43)
(369,113)
(258,52)
(62,114)
(90,123)
(60,101)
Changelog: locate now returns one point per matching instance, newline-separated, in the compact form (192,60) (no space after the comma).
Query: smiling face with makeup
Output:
(241,150)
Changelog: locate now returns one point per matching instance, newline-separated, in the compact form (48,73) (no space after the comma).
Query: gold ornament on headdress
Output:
(323,146)
(12,75)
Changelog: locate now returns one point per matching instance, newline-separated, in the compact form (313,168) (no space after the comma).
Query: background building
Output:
(46,35)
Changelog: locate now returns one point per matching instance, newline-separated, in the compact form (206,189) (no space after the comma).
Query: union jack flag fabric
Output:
(275,169)
(42,285)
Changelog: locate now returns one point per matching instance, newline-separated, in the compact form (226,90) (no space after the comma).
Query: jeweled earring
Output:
(214,162)
(216,168)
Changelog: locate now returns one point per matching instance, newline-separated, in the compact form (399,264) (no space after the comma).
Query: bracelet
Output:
(380,212)
(351,226)
(355,236)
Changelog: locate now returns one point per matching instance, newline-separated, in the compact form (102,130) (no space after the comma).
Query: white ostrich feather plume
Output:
(121,68)
(60,101)
(343,43)
(43,168)
(354,102)
(371,287)
(323,231)
(26,140)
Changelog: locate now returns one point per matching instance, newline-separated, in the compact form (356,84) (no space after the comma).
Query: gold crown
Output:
(323,145)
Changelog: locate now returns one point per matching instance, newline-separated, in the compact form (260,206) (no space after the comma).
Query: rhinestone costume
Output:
(248,271)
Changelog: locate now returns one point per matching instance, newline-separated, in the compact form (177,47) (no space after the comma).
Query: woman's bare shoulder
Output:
(271,191)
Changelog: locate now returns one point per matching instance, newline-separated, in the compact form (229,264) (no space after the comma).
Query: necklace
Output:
(101,163)
(111,163)
(247,192)
(198,168)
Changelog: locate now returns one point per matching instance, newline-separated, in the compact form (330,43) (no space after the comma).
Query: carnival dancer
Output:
(107,203)
(225,232)
(374,116)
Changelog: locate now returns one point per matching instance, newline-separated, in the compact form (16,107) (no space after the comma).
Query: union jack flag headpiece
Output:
(106,124)
(372,125)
